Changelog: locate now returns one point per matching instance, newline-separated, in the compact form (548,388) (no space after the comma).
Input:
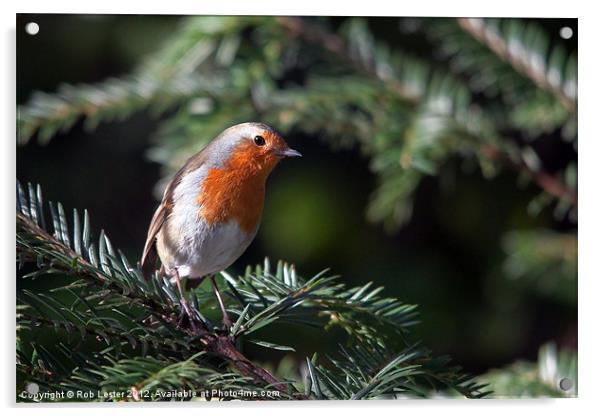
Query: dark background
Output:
(447,259)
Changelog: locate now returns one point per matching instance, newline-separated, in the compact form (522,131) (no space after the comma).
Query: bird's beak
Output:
(288,152)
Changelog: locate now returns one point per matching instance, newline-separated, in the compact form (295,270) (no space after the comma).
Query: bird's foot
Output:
(187,312)
(227,322)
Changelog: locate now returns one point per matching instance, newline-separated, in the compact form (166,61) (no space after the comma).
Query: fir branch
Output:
(523,59)
(163,80)
(282,295)
(335,44)
(551,184)
(165,379)
(407,114)
(56,254)
(33,242)
(544,261)
(106,283)
(115,98)
(224,347)
(554,374)
(300,27)
(360,373)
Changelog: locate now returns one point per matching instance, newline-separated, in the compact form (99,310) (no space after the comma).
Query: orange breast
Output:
(236,191)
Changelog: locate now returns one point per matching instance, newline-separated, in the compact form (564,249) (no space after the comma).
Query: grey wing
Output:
(148,262)
(149,255)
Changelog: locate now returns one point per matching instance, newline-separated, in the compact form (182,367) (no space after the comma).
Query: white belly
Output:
(200,249)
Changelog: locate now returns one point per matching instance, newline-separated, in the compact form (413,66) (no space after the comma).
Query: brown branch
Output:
(521,63)
(544,180)
(299,27)
(224,347)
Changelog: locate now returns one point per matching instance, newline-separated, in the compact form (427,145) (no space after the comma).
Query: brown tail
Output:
(149,254)
(148,263)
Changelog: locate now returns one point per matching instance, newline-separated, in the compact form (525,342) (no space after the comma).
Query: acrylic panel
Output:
(172,245)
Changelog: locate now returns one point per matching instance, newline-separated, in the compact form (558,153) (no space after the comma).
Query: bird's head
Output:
(253,148)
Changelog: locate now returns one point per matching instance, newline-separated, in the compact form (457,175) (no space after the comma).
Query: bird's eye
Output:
(259,140)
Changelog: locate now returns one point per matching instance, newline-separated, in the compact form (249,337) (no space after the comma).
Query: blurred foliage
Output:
(553,375)
(404,112)
(545,260)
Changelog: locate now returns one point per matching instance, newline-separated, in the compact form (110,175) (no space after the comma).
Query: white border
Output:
(518,8)
(589,187)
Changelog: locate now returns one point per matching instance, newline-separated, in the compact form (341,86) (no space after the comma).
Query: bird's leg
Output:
(192,284)
(184,301)
(226,317)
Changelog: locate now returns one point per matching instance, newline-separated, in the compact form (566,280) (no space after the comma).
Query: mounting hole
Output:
(566,32)
(565,384)
(32,28)
(32,388)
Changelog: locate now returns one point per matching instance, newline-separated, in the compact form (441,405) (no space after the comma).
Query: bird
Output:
(212,207)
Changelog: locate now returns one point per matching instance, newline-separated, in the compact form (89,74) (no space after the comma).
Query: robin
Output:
(211,208)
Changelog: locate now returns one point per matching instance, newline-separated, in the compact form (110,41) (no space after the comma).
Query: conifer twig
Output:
(333,43)
(544,180)
(222,346)
(479,30)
